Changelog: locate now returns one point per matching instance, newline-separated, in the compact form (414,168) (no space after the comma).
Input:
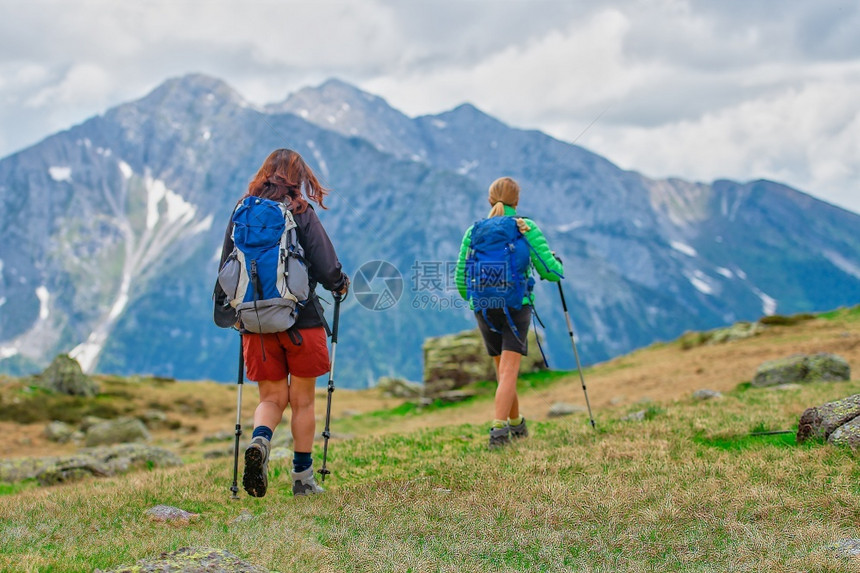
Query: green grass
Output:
(688,489)
(851,314)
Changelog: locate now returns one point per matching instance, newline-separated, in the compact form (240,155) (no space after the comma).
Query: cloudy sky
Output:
(695,89)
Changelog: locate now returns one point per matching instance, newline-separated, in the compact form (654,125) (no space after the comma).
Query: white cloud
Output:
(689,88)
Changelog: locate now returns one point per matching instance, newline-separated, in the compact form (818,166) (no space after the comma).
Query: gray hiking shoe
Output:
(520,430)
(499,437)
(304,483)
(255,480)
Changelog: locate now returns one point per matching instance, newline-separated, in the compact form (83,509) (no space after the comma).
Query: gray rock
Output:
(280,454)
(95,462)
(169,513)
(90,421)
(819,422)
(455,360)
(59,432)
(398,387)
(635,416)
(191,560)
(705,394)
(19,469)
(559,409)
(828,368)
(244,516)
(219,437)
(799,369)
(72,469)
(847,548)
(119,431)
(847,434)
(454,396)
(154,419)
(215,454)
(737,331)
(65,376)
(350,413)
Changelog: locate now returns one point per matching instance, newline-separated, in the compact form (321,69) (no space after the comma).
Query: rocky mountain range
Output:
(110,233)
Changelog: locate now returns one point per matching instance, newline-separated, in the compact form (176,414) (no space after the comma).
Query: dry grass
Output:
(685,490)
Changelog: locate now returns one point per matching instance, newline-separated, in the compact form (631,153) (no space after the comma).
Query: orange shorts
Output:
(274,356)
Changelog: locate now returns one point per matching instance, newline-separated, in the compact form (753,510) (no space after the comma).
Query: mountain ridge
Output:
(140,195)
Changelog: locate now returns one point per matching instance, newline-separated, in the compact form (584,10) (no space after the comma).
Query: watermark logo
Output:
(377,285)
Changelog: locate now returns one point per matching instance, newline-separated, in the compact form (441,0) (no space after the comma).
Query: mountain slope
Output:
(111,230)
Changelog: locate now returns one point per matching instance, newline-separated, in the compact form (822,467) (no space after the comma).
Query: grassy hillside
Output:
(687,489)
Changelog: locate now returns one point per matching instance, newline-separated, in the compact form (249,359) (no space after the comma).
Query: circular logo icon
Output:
(377,285)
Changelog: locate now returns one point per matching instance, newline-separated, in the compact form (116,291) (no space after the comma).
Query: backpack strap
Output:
(537,338)
(315,301)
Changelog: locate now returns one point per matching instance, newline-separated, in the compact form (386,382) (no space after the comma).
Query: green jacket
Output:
(548,267)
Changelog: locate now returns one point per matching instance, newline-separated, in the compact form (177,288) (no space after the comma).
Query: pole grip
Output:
(561,294)
(336,320)
(241,376)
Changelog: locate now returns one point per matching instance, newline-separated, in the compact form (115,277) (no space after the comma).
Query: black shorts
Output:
(505,339)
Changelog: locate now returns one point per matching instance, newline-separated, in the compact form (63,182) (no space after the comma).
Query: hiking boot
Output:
(304,483)
(255,480)
(520,430)
(499,437)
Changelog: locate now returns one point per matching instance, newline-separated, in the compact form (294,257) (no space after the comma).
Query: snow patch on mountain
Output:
(569,226)
(700,281)
(683,248)
(7,352)
(177,208)
(318,156)
(126,169)
(44,300)
(60,173)
(768,303)
(842,263)
(467,166)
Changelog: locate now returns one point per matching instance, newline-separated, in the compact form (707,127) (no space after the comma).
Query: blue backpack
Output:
(265,278)
(497,266)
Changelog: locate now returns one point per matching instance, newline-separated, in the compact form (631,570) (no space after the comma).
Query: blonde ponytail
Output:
(498,210)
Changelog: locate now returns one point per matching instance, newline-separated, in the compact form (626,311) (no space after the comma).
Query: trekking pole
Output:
(326,433)
(575,352)
(240,383)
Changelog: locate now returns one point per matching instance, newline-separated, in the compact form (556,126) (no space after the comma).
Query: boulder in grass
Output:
(119,431)
(398,387)
(89,462)
(799,369)
(705,394)
(169,513)
(192,559)
(820,422)
(59,432)
(559,409)
(847,434)
(455,360)
(65,376)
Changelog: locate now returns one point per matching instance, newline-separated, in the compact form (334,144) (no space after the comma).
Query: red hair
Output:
(282,176)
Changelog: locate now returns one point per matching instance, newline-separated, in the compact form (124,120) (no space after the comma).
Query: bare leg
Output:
(507,403)
(274,396)
(515,408)
(303,422)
